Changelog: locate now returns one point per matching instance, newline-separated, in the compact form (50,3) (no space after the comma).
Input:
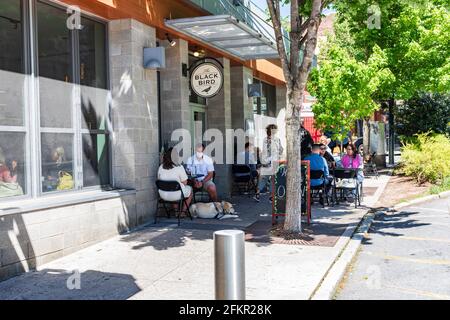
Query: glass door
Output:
(198,125)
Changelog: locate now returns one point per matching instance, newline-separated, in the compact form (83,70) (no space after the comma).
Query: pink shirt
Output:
(5,175)
(350,162)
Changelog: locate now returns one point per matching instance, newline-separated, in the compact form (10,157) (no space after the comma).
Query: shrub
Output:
(426,158)
(424,113)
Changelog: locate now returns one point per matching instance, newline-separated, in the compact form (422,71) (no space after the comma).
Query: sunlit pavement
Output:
(405,256)
(170,262)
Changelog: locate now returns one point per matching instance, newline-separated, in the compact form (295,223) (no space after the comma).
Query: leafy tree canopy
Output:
(344,87)
(414,35)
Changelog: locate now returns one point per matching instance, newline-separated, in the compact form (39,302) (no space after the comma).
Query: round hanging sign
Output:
(206,80)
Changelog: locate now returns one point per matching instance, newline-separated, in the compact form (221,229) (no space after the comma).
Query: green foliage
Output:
(344,88)
(426,158)
(444,186)
(428,112)
(414,35)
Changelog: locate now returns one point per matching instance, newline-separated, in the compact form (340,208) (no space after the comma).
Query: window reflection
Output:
(12,164)
(95,160)
(57,162)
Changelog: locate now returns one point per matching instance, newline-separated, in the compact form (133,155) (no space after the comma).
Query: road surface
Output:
(405,256)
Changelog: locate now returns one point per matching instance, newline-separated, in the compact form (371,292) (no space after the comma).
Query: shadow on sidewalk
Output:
(161,238)
(51,284)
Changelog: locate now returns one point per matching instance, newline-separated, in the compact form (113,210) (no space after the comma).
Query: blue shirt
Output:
(317,162)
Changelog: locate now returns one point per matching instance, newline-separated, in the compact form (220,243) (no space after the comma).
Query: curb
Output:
(326,289)
(442,195)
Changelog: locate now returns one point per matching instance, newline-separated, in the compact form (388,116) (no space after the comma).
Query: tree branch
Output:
(274,9)
(311,42)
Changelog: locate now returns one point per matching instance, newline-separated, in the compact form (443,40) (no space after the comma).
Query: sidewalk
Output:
(164,261)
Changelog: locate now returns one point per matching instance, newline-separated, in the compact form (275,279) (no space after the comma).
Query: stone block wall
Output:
(135,115)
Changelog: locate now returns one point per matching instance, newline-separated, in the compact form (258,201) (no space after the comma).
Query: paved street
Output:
(405,256)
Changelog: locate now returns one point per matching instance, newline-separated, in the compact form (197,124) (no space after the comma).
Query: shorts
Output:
(207,184)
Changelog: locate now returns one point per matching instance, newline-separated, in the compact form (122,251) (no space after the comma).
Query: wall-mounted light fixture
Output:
(172,42)
(154,58)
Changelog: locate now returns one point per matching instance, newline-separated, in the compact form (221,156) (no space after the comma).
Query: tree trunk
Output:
(366,138)
(293,222)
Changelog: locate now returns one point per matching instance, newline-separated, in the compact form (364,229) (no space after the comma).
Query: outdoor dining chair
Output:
(344,181)
(319,191)
(172,186)
(243,178)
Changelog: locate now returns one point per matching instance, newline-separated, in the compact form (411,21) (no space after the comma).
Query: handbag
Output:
(65,181)
(8,189)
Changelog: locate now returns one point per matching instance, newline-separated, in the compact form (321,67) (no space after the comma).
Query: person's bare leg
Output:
(212,191)
(188,202)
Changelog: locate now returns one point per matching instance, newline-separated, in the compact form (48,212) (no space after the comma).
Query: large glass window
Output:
(13,132)
(266,104)
(94,104)
(93,54)
(71,104)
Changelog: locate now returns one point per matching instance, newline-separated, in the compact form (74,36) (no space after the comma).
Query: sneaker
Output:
(257,198)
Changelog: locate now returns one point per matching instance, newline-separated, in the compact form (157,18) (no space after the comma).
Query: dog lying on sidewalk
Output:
(213,210)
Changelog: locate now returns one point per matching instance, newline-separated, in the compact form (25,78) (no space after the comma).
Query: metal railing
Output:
(243,10)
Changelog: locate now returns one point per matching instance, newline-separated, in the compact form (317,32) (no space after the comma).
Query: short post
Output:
(229,264)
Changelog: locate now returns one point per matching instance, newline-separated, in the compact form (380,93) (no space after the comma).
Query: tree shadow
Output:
(16,250)
(53,284)
(387,224)
(164,236)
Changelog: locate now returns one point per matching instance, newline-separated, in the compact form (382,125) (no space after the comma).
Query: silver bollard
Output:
(229,264)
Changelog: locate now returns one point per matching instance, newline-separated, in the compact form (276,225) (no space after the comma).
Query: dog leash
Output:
(221,214)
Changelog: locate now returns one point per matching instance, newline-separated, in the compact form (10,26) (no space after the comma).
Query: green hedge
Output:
(426,158)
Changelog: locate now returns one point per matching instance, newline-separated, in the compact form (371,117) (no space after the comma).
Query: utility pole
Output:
(391,132)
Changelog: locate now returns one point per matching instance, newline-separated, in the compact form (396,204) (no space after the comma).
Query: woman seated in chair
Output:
(169,171)
(353,160)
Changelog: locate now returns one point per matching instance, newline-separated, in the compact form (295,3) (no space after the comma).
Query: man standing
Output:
(201,164)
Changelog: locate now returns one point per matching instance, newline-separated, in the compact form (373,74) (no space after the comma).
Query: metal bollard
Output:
(229,264)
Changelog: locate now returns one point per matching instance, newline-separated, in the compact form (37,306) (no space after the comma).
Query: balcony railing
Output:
(244,10)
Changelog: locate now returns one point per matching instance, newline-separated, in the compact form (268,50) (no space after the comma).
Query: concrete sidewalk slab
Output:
(165,261)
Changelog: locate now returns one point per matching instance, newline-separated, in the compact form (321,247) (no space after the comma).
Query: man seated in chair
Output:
(318,163)
(201,164)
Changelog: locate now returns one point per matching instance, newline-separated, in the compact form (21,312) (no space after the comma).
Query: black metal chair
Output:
(243,178)
(172,186)
(370,166)
(350,175)
(319,191)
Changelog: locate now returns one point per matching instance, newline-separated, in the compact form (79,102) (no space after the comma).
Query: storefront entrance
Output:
(198,124)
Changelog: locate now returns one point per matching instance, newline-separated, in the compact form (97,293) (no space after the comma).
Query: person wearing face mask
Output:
(201,164)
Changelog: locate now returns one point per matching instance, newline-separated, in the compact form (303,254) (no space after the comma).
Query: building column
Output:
(219,117)
(175,110)
(135,118)
(241,104)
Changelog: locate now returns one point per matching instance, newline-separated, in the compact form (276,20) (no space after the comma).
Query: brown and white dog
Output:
(213,210)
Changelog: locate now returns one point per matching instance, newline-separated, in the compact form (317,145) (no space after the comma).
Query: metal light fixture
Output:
(154,58)
(172,42)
